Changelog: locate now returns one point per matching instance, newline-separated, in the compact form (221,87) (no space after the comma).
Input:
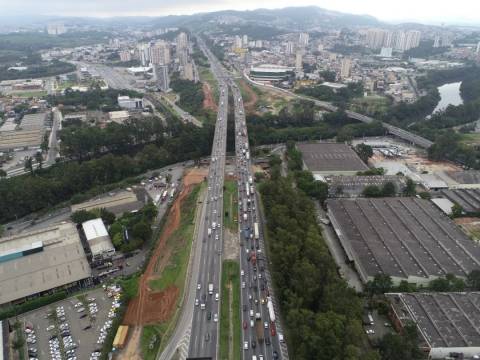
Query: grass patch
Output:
(150,341)
(230,205)
(180,242)
(130,286)
(471,139)
(245,94)
(207,76)
(230,297)
(371,105)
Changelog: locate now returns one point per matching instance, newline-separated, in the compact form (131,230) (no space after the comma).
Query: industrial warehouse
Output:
(406,238)
(331,159)
(448,323)
(39,261)
(468,199)
(353,186)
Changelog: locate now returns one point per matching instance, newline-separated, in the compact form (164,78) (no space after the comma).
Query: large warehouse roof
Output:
(468,199)
(331,158)
(41,260)
(407,238)
(354,185)
(448,322)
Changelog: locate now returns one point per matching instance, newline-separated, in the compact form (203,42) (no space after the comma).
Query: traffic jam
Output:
(258,316)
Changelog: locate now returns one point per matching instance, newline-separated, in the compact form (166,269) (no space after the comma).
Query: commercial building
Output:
(40,261)
(331,159)
(447,323)
(270,72)
(126,102)
(23,85)
(182,41)
(21,139)
(464,179)
(98,240)
(407,238)
(33,121)
(162,77)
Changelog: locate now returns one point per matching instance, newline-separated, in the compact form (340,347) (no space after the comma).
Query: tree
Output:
(473,280)
(372,191)
(3,173)
(80,216)
(381,283)
(2,230)
(410,189)
(364,151)
(457,210)
(117,240)
(28,164)
(142,231)
(389,189)
(39,159)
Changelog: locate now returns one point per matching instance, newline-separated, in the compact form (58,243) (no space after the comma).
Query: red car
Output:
(273,331)
(245,325)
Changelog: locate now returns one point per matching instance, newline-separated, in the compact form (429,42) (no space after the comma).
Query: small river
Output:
(449,95)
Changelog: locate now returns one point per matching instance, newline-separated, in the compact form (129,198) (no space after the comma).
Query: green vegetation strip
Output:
(175,273)
(230,323)
(207,76)
(230,208)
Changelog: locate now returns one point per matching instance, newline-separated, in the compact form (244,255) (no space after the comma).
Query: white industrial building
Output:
(98,239)
(126,102)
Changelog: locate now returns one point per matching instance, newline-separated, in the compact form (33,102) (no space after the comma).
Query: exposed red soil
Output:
(208,101)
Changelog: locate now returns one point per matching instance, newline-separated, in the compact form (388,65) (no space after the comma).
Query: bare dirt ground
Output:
(250,105)
(195,176)
(157,306)
(471,226)
(231,245)
(208,101)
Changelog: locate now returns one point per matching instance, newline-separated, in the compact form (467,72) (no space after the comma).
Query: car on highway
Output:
(215,317)
(242,273)
(243,285)
(209,315)
(254,344)
(252,323)
(245,345)
(245,324)
(217,297)
(265,324)
(267,341)
(196,302)
(207,336)
(275,354)
(199,286)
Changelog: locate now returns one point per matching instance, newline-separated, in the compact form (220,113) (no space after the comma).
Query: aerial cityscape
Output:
(209,180)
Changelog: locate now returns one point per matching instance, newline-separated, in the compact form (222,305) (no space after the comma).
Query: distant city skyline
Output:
(426,11)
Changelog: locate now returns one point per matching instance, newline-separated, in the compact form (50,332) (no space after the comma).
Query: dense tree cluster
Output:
(94,99)
(386,190)
(191,94)
(132,230)
(37,71)
(23,195)
(322,315)
(339,97)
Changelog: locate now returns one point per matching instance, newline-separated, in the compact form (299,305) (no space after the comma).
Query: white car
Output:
(245,345)
(215,317)
(242,272)
(199,286)
(243,285)
(196,302)
(217,297)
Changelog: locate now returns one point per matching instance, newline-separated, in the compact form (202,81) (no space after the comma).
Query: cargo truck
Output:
(209,231)
(210,289)
(247,155)
(247,190)
(271,312)
(255,231)
(259,328)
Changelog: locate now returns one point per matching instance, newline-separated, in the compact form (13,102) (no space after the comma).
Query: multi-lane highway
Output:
(262,336)
(204,330)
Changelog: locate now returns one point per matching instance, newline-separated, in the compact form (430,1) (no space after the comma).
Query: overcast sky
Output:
(391,10)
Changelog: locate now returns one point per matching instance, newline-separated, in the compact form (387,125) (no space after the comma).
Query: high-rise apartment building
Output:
(245,41)
(56,29)
(289,48)
(376,38)
(162,77)
(182,41)
(160,53)
(303,39)
(299,60)
(188,71)
(346,68)
(238,42)
(125,55)
(144,54)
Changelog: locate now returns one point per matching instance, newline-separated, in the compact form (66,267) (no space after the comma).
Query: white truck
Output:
(245,216)
(209,231)
(250,180)
(214,225)
(255,231)
(210,289)
(247,155)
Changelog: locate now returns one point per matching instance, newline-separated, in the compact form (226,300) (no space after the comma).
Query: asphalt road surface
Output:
(204,329)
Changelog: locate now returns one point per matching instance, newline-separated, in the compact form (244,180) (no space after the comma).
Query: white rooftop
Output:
(94,229)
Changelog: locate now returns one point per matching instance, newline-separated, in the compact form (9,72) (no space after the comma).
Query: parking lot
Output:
(77,322)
